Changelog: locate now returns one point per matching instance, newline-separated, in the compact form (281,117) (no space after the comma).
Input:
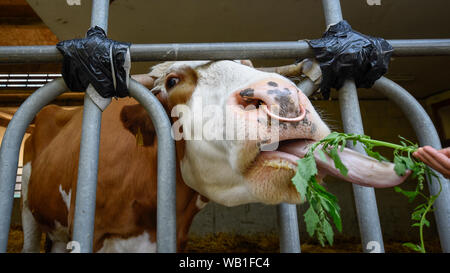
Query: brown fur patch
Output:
(182,92)
(136,119)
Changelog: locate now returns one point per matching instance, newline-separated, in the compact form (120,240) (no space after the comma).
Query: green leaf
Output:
(321,238)
(409,162)
(307,166)
(300,184)
(322,155)
(375,155)
(306,169)
(408,141)
(420,206)
(412,246)
(323,192)
(337,161)
(400,166)
(311,220)
(417,215)
(328,232)
(410,194)
(343,144)
(335,215)
(331,136)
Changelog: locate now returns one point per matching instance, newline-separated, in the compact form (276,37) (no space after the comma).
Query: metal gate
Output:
(366,206)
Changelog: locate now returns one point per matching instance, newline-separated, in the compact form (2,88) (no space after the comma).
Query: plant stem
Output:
(373,142)
(422,219)
(387,144)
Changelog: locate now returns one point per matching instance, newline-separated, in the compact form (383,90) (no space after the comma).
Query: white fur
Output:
(214,167)
(60,237)
(65,197)
(31,232)
(199,203)
(59,247)
(138,244)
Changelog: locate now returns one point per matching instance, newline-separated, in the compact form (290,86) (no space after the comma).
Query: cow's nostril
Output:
(247,100)
(278,99)
(247,93)
(250,102)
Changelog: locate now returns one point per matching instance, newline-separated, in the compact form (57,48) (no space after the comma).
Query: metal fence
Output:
(367,210)
(12,81)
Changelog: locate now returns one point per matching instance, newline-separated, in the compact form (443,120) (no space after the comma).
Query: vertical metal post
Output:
(365,202)
(166,193)
(84,218)
(287,213)
(427,135)
(332,11)
(288,227)
(9,151)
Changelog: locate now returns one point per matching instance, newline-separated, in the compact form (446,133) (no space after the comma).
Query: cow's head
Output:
(239,130)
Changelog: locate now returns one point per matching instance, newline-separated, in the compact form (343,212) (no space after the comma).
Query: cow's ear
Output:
(144,79)
(149,82)
(247,63)
(136,120)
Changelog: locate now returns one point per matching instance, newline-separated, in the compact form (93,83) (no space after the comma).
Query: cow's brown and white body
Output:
(126,191)
(229,171)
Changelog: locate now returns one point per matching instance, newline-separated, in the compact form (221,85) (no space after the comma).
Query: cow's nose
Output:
(277,97)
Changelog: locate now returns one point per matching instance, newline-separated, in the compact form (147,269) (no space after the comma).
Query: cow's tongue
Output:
(362,170)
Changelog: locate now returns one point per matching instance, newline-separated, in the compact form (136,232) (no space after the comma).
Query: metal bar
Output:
(219,51)
(288,228)
(365,202)
(29,75)
(308,87)
(84,218)
(99,14)
(332,11)
(10,147)
(420,47)
(166,193)
(20,85)
(427,135)
(25,80)
(83,227)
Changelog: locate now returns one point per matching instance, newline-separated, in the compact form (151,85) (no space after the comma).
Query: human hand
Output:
(436,159)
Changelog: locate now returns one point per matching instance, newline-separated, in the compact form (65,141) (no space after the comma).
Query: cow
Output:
(211,164)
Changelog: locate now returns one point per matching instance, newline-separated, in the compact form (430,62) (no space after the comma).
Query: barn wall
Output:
(382,120)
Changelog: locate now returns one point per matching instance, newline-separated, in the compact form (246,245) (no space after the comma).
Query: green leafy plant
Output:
(323,205)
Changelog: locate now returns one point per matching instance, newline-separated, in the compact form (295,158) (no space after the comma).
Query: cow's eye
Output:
(171,81)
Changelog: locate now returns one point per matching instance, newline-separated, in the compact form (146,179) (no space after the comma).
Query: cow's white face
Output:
(223,161)
(240,131)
